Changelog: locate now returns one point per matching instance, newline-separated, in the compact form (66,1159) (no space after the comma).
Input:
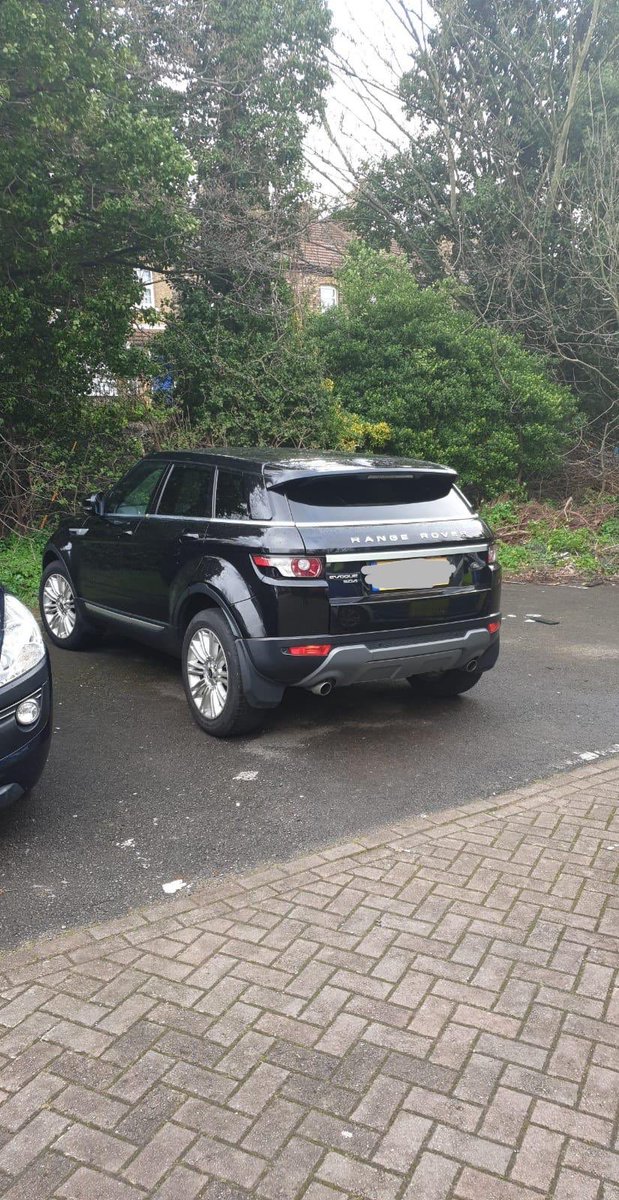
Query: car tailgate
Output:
(396,589)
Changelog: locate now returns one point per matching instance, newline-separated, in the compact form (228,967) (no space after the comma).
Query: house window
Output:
(103,385)
(328,297)
(148,288)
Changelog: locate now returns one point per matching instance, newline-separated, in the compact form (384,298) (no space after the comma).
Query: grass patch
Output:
(20,565)
(547,541)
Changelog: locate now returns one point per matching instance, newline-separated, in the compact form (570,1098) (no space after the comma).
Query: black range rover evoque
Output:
(272,569)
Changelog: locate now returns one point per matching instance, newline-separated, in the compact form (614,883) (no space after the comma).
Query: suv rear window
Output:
(380,498)
(241,496)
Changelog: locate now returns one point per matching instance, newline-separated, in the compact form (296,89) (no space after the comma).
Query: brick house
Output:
(313,277)
(313,274)
(156,292)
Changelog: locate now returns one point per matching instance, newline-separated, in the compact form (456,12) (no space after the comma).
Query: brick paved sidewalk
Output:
(423,1013)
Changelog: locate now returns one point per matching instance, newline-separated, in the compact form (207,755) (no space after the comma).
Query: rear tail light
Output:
(303,567)
(493,626)
(492,553)
(315,649)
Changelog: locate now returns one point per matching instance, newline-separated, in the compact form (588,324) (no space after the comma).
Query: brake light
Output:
(318,650)
(493,626)
(303,567)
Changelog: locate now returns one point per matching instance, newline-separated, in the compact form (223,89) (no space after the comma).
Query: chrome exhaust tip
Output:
(471,666)
(322,689)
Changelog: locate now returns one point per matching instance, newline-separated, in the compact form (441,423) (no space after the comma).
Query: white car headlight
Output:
(22,644)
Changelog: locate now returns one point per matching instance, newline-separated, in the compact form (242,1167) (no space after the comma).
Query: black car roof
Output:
(284,464)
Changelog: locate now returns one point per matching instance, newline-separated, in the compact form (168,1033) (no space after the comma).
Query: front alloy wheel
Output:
(58,605)
(213,679)
(64,623)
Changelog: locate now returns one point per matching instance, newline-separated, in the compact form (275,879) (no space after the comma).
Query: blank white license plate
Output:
(408,574)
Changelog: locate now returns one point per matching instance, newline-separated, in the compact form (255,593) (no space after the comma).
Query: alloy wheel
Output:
(59,606)
(207,673)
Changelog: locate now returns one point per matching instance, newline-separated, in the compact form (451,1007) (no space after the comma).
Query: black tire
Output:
(447,683)
(224,686)
(82,632)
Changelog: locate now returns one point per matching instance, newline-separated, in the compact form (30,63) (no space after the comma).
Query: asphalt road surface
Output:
(135,795)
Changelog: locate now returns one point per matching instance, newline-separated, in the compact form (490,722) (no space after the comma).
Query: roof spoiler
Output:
(435,481)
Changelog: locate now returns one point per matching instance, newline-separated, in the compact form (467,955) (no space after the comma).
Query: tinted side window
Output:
(241,496)
(187,492)
(132,496)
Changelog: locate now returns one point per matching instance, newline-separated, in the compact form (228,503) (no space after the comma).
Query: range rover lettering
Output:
(273,569)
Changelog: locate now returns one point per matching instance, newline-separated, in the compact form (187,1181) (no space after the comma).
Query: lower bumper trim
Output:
(367,664)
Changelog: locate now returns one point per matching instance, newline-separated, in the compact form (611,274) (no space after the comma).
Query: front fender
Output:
(59,548)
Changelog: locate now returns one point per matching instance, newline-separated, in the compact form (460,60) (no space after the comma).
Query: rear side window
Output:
(241,496)
(354,499)
(187,492)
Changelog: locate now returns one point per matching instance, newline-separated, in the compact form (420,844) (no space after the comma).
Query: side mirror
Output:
(94,503)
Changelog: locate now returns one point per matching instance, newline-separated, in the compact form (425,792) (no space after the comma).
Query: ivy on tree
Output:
(93,184)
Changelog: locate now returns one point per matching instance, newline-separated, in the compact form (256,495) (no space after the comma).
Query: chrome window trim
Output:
(173,517)
(316,524)
(376,553)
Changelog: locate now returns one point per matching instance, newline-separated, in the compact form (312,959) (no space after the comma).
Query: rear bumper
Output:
(371,664)
(370,659)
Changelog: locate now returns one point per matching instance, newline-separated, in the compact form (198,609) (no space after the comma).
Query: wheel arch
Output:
(52,555)
(260,692)
(195,600)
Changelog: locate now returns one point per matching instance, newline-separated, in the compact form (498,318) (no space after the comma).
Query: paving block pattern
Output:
(425,1013)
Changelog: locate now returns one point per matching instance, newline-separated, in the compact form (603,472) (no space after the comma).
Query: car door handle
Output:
(128,532)
(189,536)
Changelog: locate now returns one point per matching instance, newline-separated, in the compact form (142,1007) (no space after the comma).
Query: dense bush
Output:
(449,389)
(253,375)
(44,477)
(244,374)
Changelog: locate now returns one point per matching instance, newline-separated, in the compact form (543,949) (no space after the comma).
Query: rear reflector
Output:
(319,650)
(493,626)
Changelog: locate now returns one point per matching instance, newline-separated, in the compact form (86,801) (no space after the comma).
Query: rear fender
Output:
(225,587)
